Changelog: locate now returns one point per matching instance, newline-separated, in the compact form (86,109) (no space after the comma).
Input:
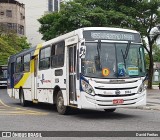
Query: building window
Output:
(55,5)
(21,16)
(50,5)
(21,29)
(14,26)
(8,13)
(9,25)
(2,13)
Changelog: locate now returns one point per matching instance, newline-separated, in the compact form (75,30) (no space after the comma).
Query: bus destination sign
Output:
(111,35)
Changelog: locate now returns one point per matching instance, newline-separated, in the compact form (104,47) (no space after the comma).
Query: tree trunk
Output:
(150,72)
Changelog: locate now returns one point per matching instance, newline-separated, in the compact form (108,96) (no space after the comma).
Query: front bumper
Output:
(102,102)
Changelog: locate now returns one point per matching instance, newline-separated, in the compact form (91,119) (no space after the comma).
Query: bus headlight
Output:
(87,88)
(141,88)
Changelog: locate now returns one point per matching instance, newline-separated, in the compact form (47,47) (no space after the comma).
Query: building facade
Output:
(12,16)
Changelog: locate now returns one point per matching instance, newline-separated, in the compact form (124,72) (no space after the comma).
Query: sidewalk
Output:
(153,99)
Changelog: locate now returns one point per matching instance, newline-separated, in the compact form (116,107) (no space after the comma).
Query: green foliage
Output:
(147,61)
(10,44)
(137,14)
(141,15)
(156,53)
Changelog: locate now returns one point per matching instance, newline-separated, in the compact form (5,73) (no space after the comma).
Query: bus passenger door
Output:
(34,78)
(10,79)
(72,74)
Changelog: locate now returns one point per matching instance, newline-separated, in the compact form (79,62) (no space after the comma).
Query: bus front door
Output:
(72,74)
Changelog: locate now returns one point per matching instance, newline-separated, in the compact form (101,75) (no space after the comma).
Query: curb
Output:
(149,108)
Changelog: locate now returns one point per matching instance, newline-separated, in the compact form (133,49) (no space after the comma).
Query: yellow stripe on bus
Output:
(37,49)
(26,75)
(22,81)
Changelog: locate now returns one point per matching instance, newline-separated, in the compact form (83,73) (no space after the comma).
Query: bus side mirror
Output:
(82,52)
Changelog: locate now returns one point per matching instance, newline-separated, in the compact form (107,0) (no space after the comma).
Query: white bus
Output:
(97,68)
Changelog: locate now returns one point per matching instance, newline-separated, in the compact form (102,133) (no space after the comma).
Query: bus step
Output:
(73,105)
(35,101)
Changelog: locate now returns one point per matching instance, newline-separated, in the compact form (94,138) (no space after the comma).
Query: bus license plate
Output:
(118,101)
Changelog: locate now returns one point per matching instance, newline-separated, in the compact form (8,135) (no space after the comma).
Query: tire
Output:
(110,110)
(22,99)
(63,110)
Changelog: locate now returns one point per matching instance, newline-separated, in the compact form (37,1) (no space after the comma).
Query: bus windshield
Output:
(113,60)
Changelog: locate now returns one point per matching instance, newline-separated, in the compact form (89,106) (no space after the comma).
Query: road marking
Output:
(4,104)
(9,110)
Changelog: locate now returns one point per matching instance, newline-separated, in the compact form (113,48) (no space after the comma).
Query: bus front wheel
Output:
(110,110)
(61,108)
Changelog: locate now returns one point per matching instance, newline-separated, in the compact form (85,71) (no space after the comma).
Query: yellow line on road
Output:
(4,104)
(23,113)
(5,109)
(27,110)
(2,109)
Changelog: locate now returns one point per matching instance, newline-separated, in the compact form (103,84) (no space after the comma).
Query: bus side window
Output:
(44,61)
(57,54)
(19,65)
(27,63)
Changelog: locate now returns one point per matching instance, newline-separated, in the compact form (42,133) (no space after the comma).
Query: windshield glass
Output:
(113,60)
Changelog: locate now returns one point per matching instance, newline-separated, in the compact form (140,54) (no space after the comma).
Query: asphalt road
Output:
(43,117)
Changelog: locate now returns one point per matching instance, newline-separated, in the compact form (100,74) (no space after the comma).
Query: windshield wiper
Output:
(126,53)
(99,51)
(124,59)
(127,49)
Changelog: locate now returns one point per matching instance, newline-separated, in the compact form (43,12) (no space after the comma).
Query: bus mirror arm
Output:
(82,52)
(146,77)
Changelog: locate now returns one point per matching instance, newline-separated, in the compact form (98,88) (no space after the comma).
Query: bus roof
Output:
(109,29)
(67,35)
(13,57)
(72,33)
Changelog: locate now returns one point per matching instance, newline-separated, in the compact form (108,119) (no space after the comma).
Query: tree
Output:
(144,17)
(10,44)
(5,51)
(84,13)
(148,17)
(156,53)
(140,15)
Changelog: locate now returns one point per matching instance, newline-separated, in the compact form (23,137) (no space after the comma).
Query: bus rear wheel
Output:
(110,110)
(22,99)
(61,108)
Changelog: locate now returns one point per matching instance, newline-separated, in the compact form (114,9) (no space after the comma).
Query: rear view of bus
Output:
(3,76)
(112,69)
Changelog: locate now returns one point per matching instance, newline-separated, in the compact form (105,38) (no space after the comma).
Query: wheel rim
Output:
(60,104)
